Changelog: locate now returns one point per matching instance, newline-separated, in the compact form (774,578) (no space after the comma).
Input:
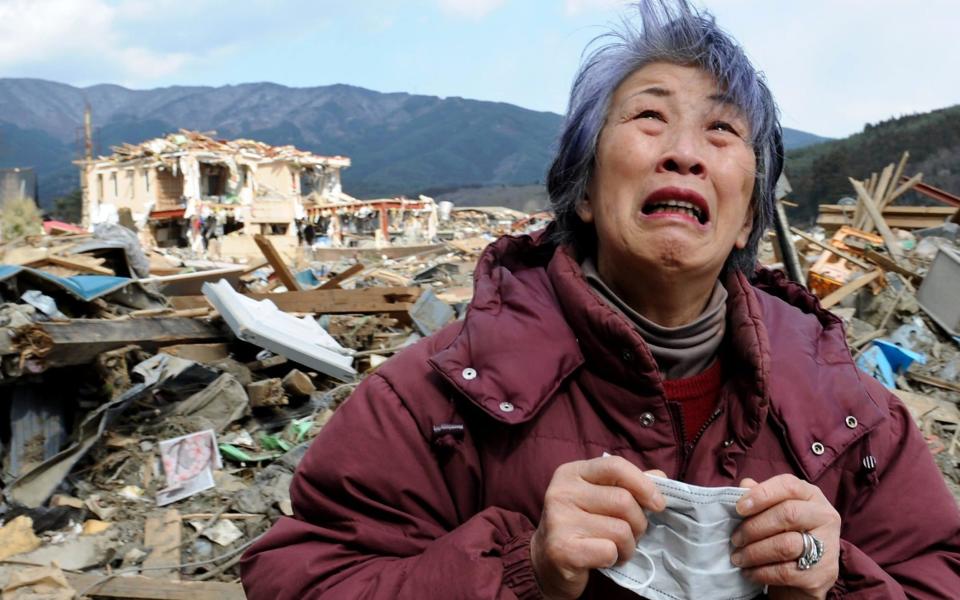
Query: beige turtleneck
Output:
(681,351)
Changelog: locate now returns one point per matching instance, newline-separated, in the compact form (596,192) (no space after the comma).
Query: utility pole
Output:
(87,163)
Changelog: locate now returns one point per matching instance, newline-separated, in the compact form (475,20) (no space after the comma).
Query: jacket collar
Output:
(534,320)
(817,387)
(515,347)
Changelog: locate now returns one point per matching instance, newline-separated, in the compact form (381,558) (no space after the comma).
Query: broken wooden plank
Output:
(202,353)
(266,363)
(161,534)
(866,221)
(890,240)
(370,255)
(335,281)
(77,342)
(144,588)
(934,381)
(849,288)
(268,392)
(280,268)
(903,188)
(884,262)
(184,284)
(830,248)
(82,265)
(889,197)
(360,301)
(831,216)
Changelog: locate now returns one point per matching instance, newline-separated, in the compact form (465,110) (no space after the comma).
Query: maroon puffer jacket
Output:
(429,481)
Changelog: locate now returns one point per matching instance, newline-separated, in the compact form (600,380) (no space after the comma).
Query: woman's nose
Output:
(681,157)
(682,164)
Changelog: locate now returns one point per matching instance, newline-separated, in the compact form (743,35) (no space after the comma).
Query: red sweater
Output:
(697,397)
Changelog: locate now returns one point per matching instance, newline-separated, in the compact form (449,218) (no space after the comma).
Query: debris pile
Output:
(155,403)
(892,273)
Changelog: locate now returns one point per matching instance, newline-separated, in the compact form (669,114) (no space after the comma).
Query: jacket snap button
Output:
(627,356)
(647,419)
(469,373)
(506,407)
(817,448)
(727,443)
(851,422)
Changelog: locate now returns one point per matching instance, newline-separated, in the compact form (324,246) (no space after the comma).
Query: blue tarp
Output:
(885,360)
(83,287)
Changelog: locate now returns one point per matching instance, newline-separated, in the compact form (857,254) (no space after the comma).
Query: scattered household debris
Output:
(151,387)
(161,400)
(891,273)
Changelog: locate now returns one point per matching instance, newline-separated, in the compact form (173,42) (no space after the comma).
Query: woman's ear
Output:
(744,235)
(584,208)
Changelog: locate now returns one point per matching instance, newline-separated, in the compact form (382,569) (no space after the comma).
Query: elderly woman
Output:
(638,326)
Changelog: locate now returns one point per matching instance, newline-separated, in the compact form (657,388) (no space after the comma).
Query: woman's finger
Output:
(776,549)
(774,491)
(618,471)
(790,515)
(602,527)
(612,501)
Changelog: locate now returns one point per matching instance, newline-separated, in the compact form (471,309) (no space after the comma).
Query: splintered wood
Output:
(161,534)
(280,268)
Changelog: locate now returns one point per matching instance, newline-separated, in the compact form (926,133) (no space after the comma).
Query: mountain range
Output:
(399,143)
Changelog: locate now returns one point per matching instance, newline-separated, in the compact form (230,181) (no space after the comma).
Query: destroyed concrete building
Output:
(189,189)
(177,181)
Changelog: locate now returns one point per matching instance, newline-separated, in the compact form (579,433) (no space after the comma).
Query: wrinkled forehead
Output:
(669,80)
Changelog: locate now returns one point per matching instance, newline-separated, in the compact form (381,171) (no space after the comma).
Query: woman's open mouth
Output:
(677,201)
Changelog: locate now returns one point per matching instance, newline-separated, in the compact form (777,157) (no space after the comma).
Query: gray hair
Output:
(673,32)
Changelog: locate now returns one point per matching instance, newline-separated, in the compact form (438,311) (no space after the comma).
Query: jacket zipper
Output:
(688,447)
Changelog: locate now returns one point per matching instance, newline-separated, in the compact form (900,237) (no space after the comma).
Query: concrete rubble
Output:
(149,386)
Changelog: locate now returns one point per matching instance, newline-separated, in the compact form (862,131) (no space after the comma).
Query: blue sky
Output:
(833,65)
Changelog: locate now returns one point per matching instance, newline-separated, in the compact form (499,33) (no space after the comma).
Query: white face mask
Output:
(685,552)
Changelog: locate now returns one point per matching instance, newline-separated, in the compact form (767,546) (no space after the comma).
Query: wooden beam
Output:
(276,261)
(889,196)
(335,301)
(902,189)
(335,281)
(161,535)
(893,211)
(144,588)
(829,248)
(832,222)
(883,261)
(77,342)
(839,294)
(876,195)
(934,381)
(84,266)
(890,240)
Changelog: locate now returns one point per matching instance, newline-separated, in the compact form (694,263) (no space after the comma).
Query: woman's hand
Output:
(592,518)
(769,542)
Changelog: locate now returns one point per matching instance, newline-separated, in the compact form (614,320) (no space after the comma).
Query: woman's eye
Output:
(650,114)
(724,126)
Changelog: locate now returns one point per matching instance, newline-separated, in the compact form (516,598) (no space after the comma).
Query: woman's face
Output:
(673,177)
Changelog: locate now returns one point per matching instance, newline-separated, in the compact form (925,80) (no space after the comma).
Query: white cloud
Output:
(36,32)
(473,9)
(577,7)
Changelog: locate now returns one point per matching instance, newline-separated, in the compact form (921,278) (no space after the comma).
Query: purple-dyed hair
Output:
(671,31)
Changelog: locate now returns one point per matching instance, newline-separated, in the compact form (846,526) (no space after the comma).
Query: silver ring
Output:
(812,551)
